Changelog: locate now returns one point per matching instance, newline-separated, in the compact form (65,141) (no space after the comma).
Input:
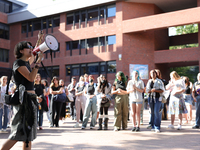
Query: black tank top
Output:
(187,90)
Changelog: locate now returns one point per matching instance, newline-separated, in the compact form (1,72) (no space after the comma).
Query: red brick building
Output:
(93,35)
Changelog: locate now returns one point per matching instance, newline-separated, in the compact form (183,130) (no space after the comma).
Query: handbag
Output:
(60,98)
(14,98)
(44,103)
(70,97)
(164,100)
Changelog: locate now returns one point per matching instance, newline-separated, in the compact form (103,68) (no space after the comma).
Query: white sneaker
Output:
(179,127)
(152,130)
(157,131)
(76,125)
(171,126)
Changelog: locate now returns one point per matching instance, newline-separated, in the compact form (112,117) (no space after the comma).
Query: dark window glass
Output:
(55,71)
(4,55)
(111,40)
(37,25)
(49,23)
(44,24)
(1,30)
(29,27)
(75,70)
(111,11)
(70,19)
(92,42)
(93,68)
(102,41)
(102,12)
(75,45)
(102,65)
(93,14)
(24,28)
(68,71)
(68,47)
(4,31)
(83,15)
(1,6)
(83,69)
(7,8)
(82,43)
(56,21)
(111,66)
(77,17)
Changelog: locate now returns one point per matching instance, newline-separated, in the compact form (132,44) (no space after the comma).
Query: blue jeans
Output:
(5,116)
(91,105)
(156,113)
(197,105)
(40,116)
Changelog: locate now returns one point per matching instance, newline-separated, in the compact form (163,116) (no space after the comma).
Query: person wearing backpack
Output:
(91,104)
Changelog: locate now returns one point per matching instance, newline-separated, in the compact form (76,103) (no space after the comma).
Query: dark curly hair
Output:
(20,46)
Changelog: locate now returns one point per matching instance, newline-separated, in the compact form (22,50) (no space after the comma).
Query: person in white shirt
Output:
(4,109)
(135,88)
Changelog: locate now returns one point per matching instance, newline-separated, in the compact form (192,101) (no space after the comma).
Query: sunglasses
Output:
(28,46)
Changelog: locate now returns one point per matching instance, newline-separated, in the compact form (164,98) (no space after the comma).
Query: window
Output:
(4,55)
(102,10)
(93,68)
(70,19)
(37,25)
(55,71)
(102,41)
(24,28)
(56,21)
(75,45)
(44,23)
(29,26)
(111,66)
(111,11)
(75,70)
(111,40)
(68,47)
(92,42)
(4,31)
(49,23)
(92,14)
(68,71)
(83,16)
(77,17)
(103,65)
(83,69)
(82,44)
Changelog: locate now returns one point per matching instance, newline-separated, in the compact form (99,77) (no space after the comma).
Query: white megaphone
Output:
(49,43)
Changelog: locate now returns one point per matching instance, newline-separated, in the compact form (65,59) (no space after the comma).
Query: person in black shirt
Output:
(40,92)
(121,102)
(24,75)
(55,106)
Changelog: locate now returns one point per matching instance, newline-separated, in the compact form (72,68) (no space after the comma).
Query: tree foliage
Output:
(186,29)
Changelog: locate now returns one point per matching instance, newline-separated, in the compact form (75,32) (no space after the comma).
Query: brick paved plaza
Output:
(67,137)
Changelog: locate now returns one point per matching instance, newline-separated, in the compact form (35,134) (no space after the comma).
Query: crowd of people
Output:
(90,99)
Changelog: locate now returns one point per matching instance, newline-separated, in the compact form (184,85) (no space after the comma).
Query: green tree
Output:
(186,29)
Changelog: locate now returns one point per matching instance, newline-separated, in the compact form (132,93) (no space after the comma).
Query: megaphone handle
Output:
(36,58)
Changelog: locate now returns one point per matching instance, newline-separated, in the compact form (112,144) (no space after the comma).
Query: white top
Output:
(135,96)
(179,84)
(2,93)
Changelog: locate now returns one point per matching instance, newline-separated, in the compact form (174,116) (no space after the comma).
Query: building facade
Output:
(102,37)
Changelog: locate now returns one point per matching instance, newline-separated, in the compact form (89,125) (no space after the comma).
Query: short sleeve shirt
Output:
(120,84)
(18,77)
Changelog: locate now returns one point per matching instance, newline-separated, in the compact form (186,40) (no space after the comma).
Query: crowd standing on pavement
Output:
(87,98)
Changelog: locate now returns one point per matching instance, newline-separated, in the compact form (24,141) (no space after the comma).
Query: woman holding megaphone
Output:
(24,77)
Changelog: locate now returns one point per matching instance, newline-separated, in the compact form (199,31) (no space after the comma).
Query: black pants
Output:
(55,112)
(72,107)
(81,115)
(104,110)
